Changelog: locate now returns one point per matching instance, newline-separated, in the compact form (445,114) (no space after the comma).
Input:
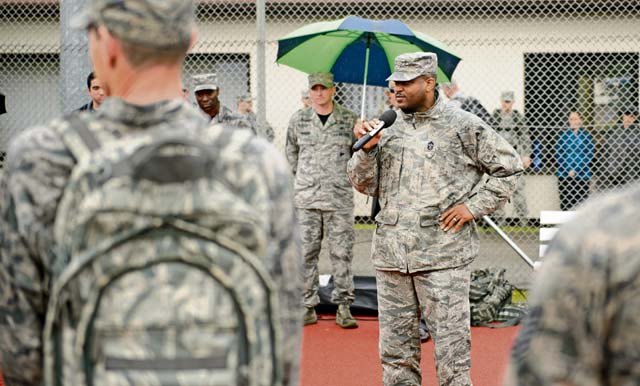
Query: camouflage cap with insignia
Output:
(322,78)
(205,82)
(151,23)
(507,96)
(413,65)
(245,98)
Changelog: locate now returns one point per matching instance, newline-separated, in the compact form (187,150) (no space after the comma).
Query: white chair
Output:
(550,221)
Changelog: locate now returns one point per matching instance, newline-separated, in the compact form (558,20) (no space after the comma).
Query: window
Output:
(599,85)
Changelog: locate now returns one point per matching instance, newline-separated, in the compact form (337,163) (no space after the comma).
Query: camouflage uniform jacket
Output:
(250,121)
(513,128)
(472,105)
(424,164)
(318,155)
(583,326)
(224,115)
(38,169)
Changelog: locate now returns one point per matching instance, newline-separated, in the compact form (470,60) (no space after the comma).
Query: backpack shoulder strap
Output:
(508,323)
(78,137)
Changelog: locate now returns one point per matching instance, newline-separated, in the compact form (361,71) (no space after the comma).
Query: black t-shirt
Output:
(323,118)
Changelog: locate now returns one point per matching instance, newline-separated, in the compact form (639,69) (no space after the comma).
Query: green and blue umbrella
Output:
(358,50)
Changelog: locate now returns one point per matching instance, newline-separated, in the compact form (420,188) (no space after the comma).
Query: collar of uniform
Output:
(433,113)
(333,115)
(137,115)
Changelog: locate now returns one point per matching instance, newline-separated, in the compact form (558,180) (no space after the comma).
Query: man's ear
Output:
(194,38)
(431,83)
(111,46)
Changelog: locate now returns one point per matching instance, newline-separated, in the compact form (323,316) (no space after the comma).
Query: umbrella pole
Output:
(366,73)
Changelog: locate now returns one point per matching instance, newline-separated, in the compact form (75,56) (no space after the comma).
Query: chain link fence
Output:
(555,56)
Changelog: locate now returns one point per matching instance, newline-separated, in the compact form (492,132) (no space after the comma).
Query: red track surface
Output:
(332,356)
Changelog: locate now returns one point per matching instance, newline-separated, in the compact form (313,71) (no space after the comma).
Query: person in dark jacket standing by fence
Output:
(622,152)
(95,91)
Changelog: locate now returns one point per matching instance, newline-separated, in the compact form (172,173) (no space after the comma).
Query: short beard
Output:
(408,110)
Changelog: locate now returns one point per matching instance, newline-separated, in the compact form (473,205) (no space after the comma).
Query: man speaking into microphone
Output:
(427,172)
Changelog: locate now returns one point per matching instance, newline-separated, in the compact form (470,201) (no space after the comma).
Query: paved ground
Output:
(493,252)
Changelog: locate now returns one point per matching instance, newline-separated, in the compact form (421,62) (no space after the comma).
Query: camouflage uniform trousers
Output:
(519,200)
(338,227)
(443,298)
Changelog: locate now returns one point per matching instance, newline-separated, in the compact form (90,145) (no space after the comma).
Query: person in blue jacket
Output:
(574,153)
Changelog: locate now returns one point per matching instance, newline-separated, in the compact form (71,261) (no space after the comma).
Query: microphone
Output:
(386,119)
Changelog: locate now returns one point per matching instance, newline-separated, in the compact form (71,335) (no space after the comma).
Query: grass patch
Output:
(485,229)
(519,296)
(369,227)
(361,226)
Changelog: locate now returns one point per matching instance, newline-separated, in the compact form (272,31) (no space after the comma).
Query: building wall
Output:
(492,52)
(484,72)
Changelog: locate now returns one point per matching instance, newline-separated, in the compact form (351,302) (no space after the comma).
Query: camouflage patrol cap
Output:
(507,96)
(152,23)
(322,78)
(205,82)
(245,98)
(413,65)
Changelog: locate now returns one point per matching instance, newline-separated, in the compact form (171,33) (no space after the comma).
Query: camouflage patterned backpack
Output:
(490,299)
(151,286)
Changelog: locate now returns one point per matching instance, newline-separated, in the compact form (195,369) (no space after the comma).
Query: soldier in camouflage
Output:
(510,124)
(206,91)
(465,102)
(147,40)
(305,98)
(427,171)
(583,326)
(318,147)
(245,118)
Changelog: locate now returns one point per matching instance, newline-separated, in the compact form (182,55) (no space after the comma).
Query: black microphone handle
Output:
(366,138)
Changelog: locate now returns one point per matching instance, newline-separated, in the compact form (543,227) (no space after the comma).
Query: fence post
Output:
(260,63)
(74,58)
